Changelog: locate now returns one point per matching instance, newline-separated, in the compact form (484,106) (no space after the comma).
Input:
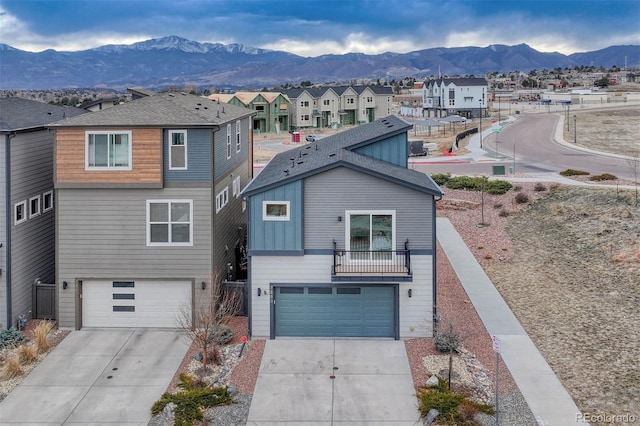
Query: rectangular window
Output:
(124,308)
(238,136)
(368,232)
(222,199)
(47,201)
(228,141)
(124,296)
(236,187)
(275,210)
(291,290)
(260,108)
(34,206)
(123,284)
(177,149)
(169,222)
(20,212)
(107,150)
(325,102)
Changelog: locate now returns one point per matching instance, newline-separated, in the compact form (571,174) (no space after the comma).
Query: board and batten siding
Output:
(392,149)
(5,215)
(222,164)
(146,159)
(33,241)
(101,234)
(414,312)
(329,195)
(198,157)
(277,235)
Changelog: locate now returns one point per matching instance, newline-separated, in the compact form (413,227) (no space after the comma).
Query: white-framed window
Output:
(236,187)
(20,212)
(169,222)
(47,201)
(369,231)
(34,206)
(276,210)
(108,150)
(228,141)
(238,144)
(222,199)
(177,149)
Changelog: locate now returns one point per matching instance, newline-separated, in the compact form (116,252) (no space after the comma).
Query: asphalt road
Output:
(535,152)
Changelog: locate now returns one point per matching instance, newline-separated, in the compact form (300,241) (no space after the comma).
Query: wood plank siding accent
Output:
(146,159)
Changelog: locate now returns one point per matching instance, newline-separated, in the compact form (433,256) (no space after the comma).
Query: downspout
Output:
(8,207)
(434,243)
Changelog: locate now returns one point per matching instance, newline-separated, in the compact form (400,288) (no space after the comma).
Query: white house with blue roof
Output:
(341,239)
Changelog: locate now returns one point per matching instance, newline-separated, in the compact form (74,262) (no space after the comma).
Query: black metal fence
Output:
(371,262)
(240,289)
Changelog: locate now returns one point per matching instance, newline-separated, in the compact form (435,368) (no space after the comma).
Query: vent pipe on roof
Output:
(217,114)
(223,110)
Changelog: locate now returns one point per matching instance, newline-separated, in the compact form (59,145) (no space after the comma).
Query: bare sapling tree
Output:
(448,338)
(206,323)
(634,163)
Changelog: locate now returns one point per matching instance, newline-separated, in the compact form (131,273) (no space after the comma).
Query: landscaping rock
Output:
(432,381)
(431,416)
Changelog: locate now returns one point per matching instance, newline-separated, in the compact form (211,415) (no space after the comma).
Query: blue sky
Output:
(316,27)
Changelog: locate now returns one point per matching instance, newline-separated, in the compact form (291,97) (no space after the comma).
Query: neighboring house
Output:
(455,96)
(148,208)
(272,109)
(336,106)
(27,225)
(342,238)
(100,104)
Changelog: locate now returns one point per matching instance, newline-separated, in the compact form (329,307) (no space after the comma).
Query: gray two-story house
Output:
(148,208)
(27,239)
(342,238)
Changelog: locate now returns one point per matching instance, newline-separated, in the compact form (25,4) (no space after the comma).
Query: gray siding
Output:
(328,195)
(230,224)
(393,150)
(222,165)
(102,234)
(277,235)
(32,242)
(5,214)
(198,157)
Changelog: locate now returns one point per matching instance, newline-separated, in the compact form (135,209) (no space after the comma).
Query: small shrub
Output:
(498,205)
(521,198)
(517,188)
(190,401)
(480,247)
(447,339)
(498,187)
(573,172)
(222,334)
(454,408)
(470,183)
(12,368)
(215,356)
(554,186)
(27,353)
(11,338)
(441,178)
(41,332)
(503,213)
(604,176)
(488,256)
(539,187)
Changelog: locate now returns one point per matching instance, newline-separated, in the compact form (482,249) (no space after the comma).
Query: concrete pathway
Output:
(97,377)
(334,382)
(547,398)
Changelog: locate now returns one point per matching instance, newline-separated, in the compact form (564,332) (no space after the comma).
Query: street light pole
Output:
(575,130)
(480,122)
(568,107)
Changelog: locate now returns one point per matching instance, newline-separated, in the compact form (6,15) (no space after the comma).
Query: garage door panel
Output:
(335,311)
(144,303)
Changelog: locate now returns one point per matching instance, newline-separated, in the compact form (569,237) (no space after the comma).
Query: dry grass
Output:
(11,368)
(27,353)
(41,333)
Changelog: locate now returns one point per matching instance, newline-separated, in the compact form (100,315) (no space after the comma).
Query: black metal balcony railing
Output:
(371,263)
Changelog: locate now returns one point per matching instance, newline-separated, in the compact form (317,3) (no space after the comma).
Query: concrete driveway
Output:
(334,382)
(97,377)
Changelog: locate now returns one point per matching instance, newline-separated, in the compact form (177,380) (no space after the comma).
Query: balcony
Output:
(371,265)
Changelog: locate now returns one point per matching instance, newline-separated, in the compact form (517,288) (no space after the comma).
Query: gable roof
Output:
(21,114)
(338,150)
(165,110)
(462,81)
(317,92)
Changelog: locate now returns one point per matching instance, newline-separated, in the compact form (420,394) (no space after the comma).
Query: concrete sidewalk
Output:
(547,398)
(97,377)
(334,382)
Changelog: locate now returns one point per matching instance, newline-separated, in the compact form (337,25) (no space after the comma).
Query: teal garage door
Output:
(362,311)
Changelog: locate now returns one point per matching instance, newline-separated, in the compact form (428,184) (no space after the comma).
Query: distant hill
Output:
(177,61)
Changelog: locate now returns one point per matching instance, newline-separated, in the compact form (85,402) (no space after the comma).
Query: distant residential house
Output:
(100,104)
(342,239)
(336,106)
(27,230)
(455,96)
(148,208)
(272,109)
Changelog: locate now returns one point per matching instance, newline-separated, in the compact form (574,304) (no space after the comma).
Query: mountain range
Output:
(175,61)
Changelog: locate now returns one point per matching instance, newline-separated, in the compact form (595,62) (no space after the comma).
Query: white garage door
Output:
(134,303)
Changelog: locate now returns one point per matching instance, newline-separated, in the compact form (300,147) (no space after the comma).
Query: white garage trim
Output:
(135,303)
